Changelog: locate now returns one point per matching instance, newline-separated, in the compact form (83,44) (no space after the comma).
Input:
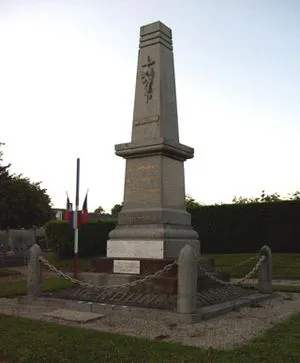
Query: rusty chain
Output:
(156,274)
(121,286)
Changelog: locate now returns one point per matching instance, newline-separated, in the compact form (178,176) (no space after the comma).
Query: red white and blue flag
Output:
(84,215)
(69,213)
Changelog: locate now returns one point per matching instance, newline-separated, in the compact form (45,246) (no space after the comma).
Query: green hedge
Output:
(92,238)
(240,228)
(232,228)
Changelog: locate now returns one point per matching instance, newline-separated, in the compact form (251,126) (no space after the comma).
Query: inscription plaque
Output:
(135,249)
(126,267)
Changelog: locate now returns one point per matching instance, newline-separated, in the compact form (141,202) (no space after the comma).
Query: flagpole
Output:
(76,219)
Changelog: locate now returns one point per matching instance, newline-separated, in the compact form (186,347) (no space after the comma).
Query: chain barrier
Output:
(245,261)
(156,274)
(234,283)
(109,287)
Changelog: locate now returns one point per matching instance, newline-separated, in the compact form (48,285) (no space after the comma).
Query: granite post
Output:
(34,277)
(187,280)
(153,223)
(265,274)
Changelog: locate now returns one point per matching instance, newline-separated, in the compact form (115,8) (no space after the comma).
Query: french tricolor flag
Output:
(69,213)
(84,215)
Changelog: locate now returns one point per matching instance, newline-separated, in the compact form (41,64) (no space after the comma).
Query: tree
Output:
(116,209)
(99,210)
(22,203)
(191,203)
(242,200)
(4,169)
(264,198)
(275,197)
(295,195)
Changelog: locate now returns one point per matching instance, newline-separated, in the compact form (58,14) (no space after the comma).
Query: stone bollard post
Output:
(187,280)
(34,277)
(265,274)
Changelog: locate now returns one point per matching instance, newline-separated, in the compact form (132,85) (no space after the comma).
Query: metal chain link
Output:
(238,282)
(57,271)
(245,261)
(88,284)
(150,277)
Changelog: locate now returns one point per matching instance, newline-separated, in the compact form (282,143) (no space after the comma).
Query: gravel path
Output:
(223,332)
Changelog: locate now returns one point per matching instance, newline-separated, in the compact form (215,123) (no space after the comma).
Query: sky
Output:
(67,82)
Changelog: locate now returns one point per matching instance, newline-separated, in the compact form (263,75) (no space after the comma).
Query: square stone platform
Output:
(111,271)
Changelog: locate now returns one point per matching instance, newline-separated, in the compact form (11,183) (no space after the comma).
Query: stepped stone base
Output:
(103,274)
(163,239)
(147,266)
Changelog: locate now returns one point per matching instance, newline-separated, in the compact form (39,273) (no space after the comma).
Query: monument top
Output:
(155,33)
(155,27)
(155,120)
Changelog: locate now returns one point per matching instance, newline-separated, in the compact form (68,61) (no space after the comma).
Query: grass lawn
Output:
(31,341)
(285,265)
(7,272)
(15,288)
(67,264)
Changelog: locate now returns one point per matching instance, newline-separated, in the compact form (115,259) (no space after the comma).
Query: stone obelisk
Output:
(153,223)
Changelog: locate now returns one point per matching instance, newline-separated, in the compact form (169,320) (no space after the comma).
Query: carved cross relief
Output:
(147,76)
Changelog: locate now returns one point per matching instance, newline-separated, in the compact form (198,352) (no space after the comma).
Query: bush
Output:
(92,238)
(240,228)
(232,228)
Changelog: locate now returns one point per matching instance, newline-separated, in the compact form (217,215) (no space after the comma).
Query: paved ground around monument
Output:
(224,332)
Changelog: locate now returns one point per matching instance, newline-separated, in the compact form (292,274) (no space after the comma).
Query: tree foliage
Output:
(4,169)
(191,203)
(295,195)
(116,209)
(266,198)
(22,202)
(99,210)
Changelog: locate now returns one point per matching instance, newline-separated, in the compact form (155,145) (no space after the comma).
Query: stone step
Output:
(162,284)
(147,266)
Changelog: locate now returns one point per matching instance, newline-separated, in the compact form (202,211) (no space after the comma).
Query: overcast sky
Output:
(67,81)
